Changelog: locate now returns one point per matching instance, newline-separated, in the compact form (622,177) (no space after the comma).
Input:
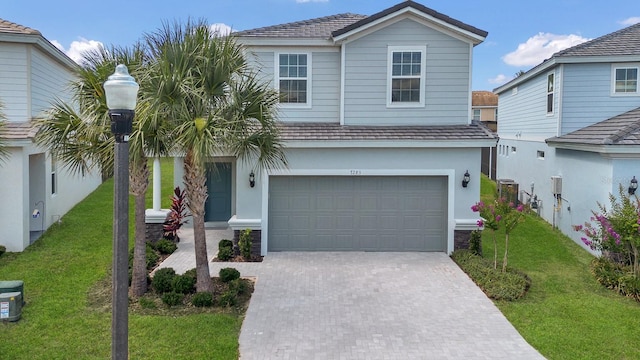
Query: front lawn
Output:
(57,323)
(566,314)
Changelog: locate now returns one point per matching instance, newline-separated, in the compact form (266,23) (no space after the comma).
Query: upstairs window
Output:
(550,86)
(406,76)
(476,114)
(625,80)
(294,75)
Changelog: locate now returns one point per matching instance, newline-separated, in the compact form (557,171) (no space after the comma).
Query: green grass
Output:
(566,314)
(57,323)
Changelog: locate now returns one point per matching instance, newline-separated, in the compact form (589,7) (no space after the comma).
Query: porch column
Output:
(155,217)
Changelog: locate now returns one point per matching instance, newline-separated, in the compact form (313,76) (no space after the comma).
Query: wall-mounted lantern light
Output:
(252,179)
(633,186)
(466,178)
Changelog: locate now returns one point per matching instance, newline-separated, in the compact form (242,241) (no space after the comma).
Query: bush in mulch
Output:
(498,285)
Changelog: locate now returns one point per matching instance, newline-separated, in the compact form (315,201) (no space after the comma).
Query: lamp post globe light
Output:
(121,91)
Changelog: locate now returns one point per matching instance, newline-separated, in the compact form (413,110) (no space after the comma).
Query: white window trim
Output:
(423,77)
(615,67)
(473,112)
(553,93)
(276,73)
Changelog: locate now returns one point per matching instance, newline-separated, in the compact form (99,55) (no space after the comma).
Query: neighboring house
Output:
(569,128)
(484,107)
(35,190)
(375,116)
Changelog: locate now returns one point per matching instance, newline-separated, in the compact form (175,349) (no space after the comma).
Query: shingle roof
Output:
(623,129)
(8,27)
(484,98)
(314,28)
(418,7)
(337,132)
(622,42)
(335,25)
(18,130)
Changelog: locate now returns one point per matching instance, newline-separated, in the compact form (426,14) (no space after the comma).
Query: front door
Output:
(218,204)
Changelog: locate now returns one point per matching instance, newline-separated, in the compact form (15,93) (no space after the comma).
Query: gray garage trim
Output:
(357,213)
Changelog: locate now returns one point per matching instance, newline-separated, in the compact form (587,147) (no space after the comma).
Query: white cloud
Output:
(220,29)
(630,21)
(78,47)
(308,1)
(541,47)
(500,79)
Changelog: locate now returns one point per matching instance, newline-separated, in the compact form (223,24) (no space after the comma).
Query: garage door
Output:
(357,213)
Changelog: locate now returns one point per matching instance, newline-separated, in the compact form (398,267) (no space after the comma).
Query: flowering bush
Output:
(616,230)
(499,214)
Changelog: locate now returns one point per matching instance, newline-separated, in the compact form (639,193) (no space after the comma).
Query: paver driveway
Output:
(354,305)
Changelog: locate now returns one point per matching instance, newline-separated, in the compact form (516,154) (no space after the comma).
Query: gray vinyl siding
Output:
(446,86)
(325,82)
(526,110)
(587,96)
(14,81)
(49,79)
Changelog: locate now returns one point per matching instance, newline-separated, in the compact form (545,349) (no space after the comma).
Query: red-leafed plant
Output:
(176,216)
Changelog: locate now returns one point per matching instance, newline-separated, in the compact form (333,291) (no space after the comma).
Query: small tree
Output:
(500,213)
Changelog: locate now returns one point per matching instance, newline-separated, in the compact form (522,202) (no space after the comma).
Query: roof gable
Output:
(418,9)
(336,27)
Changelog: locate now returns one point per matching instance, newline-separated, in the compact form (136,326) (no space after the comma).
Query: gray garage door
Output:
(357,213)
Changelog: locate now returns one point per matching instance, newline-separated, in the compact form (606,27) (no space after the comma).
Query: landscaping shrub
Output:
(228,298)
(225,250)
(202,299)
(229,274)
(162,281)
(475,242)
(225,254)
(151,256)
(616,276)
(165,246)
(172,299)
(183,284)
(191,273)
(2,250)
(238,286)
(245,244)
(225,243)
(146,303)
(509,285)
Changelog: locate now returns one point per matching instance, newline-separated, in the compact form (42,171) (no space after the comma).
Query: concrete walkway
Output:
(355,305)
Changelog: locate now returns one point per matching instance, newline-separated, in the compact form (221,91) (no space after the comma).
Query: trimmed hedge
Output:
(510,285)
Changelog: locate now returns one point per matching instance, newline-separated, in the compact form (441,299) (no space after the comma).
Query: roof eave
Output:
(474,143)
(597,148)
(42,43)
(282,41)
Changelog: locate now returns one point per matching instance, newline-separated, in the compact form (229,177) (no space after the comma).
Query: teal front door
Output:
(218,204)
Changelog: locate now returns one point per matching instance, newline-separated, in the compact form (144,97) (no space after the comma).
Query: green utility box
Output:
(13,286)
(10,306)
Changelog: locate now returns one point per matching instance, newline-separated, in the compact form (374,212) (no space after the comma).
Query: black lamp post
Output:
(121,91)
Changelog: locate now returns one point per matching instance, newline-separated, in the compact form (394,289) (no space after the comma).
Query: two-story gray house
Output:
(570,128)
(375,114)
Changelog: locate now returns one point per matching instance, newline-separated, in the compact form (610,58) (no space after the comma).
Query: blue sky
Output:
(521,33)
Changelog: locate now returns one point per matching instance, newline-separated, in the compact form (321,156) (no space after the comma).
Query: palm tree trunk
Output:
(196,189)
(139,182)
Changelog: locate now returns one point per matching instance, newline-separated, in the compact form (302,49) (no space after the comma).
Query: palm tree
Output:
(79,135)
(201,82)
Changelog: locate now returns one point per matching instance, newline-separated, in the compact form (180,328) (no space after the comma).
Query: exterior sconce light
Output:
(252,179)
(465,179)
(633,186)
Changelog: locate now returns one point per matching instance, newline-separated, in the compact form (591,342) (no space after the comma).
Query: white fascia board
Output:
(389,144)
(466,224)
(297,42)
(241,224)
(405,13)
